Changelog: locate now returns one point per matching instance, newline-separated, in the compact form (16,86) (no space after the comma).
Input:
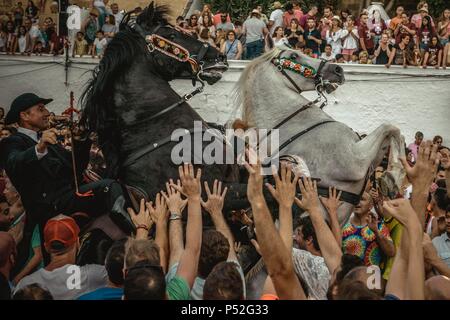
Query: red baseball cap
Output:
(60,232)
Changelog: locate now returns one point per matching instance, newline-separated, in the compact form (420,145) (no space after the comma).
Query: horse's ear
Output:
(150,14)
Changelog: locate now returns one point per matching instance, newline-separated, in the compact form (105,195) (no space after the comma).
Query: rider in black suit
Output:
(42,171)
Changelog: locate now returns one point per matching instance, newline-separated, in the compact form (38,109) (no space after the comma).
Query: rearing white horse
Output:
(269,94)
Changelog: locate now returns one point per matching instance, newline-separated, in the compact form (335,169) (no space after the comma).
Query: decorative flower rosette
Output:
(304,70)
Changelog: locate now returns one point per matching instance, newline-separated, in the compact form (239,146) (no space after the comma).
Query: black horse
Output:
(132,108)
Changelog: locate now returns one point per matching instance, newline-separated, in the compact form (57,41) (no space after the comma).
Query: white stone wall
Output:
(412,99)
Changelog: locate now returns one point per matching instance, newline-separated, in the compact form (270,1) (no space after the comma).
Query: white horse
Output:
(268,92)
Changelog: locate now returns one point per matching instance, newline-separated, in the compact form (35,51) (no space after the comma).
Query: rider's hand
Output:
(49,136)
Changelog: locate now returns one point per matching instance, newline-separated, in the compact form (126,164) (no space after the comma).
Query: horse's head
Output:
(306,73)
(176,52)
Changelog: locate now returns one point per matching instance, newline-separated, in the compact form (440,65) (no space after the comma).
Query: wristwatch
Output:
(174,216)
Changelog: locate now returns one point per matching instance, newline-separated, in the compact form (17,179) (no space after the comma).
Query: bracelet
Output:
(142,226)
(174,216)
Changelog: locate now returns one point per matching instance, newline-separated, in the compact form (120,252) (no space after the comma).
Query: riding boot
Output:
(121,217)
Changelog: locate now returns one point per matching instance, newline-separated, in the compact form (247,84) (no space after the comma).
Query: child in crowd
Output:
(80,45)
(328,55)
(350,39)
(340,58)
(99,45)
(38,48)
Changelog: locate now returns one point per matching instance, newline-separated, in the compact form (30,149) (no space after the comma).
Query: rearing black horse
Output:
(131,106)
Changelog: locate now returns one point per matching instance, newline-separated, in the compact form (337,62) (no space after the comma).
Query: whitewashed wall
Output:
(412,99)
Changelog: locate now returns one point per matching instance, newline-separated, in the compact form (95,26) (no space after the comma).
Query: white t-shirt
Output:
(35,32)
(350,42)
(277,18)
(328,58)
(118,16)
(279,43)
(68,282)
(335,40)
(100,45)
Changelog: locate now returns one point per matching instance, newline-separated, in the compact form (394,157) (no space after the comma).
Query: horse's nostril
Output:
(339,71)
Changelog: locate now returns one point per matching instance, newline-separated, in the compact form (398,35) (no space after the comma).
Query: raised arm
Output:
(214,206)
(159,214)
(329,248)
(176,206)
(285,195)
(277,257)
(191,188)
(332,203)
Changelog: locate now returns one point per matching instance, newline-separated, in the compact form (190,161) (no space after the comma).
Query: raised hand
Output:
(372,223)
(190,183)
(159,213)
(214,204)
(424,171)
(284,191)
(142,219)
(255,179)
(310,199)
(332,203)
(401,210)
(173,198)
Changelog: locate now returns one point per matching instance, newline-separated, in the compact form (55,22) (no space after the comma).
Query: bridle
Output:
(158,44)
(283,64)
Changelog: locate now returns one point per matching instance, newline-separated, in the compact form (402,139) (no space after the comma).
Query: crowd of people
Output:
(367,37)
(399,236)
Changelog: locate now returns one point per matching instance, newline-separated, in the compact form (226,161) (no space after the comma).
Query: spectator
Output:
(395,21)
(437,288)
(291,14)
(218,18)
(23,41)
(363,57)
(344,15)
(240,35)
(62,243)
(38,48)
(276,17)
(312,37)
(340,58)
(205,36)
(224,23)
(377,25)
(33,292)
(207,23)
(118,16)
(383,50)
(18,14)
(7,260)
(328,55)
(425,32)
(254,30)
(399,55)
(2,39)
(438,140)
(263,16)
(366,41)
(311,14)
(278,37)
(232,47)
(442,242)
(101,7)
(11,38)
(6,216)
(31,10)
(437,207)
(294,33)
(193,25)
(89,27)
(366,237)
(334,35)
(405,27)
(326,21)
(224,283)
(80,45)
(109,28)
(114,264)
(414,147)
(433,54)
(422,8)
(2,114)
(443,28)
(145,281)
(220,38)
(350,39)
(6,132)
(99,46)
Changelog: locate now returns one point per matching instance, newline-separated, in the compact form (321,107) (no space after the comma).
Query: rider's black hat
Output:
(22,103)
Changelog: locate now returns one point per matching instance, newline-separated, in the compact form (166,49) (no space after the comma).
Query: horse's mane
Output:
(98,97)
(241,92)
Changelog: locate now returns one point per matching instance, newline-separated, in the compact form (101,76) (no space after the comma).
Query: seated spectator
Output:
(278,38)
(350,39)
(99,46)
(23,41)
(33,292)
(80,45)
(383,50)
(224,283)
(328,55)
(365,237)
(312,37)
(7,259)
(114,264)
(340,58)
(109,28)
(62,243)
(38,48)
(433,54)
(205,36)
(364,58)
(232,47)
(11,38)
